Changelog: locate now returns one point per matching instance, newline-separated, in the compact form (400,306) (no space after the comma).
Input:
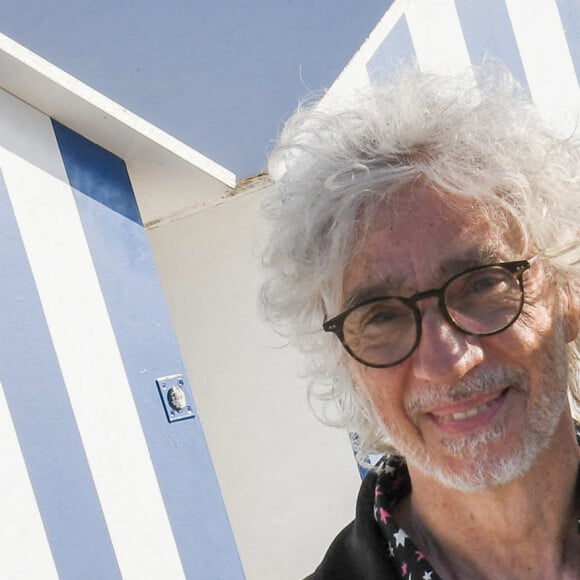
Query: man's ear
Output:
(571,310)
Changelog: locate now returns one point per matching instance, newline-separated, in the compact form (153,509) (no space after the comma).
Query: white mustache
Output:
(476,382)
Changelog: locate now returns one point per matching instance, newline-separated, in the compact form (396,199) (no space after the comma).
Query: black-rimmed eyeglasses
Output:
(384,331)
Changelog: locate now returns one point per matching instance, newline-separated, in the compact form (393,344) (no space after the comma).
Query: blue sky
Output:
(219,75)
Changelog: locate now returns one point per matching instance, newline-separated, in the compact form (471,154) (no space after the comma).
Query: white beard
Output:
(484,467)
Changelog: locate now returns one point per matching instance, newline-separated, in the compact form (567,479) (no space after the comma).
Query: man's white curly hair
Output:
(332,167)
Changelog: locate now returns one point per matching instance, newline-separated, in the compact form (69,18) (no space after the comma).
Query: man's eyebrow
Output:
(478,257)
(361,294)
(391,285)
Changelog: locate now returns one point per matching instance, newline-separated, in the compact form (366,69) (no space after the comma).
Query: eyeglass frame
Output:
(516,268)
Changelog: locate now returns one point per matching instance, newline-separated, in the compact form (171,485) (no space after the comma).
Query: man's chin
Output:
(482,475)
(477,462)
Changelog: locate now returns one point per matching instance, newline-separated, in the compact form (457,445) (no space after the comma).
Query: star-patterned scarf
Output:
(392,485)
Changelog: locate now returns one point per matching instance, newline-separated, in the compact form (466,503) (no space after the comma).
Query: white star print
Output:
(427,575)
(400,537)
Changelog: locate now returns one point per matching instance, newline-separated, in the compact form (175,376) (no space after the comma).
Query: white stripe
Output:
(546,58)
(24,548)
(437,36)
(89,357)
(354,78)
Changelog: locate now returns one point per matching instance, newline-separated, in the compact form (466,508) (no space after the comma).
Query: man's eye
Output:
(486,284)
(383,317)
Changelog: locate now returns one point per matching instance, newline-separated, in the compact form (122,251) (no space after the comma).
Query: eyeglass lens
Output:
(384,332)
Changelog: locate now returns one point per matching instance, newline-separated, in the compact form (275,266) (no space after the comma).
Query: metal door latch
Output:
(176,397)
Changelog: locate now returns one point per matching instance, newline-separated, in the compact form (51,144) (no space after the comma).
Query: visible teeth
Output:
(470,413)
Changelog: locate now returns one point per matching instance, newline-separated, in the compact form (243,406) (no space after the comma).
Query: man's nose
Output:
(444,353)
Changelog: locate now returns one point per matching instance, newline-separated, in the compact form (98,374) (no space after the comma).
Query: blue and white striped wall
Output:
(96,482)
(539,40)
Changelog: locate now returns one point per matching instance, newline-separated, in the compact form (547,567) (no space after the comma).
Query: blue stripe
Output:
(395,48)
(488,32)
(570,17)
(136,306)
(97,173)
(44,421)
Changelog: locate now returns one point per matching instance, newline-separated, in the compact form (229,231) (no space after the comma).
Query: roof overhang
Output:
(168,176)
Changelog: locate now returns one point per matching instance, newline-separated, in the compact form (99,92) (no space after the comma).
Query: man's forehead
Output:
(419,237)
(407,203)
(389,279)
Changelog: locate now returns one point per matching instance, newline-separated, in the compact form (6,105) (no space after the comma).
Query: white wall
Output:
(289,482)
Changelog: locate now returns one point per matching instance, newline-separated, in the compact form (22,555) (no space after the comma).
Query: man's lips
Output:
(466,405)
(474,408)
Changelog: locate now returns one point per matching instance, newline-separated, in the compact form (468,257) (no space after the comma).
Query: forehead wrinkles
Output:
(388,227)
(378,283)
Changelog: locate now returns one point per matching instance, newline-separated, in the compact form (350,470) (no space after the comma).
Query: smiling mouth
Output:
(469,413)
(474,411)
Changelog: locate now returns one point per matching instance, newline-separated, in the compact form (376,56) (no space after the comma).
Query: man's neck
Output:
(523,528)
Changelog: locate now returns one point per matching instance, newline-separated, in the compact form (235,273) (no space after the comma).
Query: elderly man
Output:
(425,253)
